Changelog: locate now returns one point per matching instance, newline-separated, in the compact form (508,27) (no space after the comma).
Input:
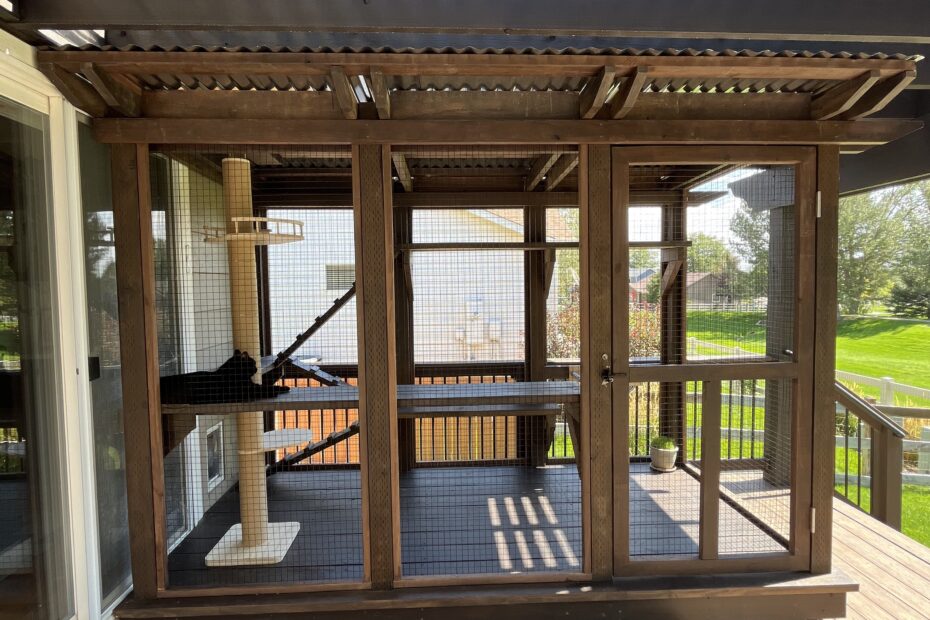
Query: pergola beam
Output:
(380,93)
(560,170)
(879,96)
(403,171)
(626,97)
(594,93)
(344,93)
(843,96)
(117,95)
(541,166)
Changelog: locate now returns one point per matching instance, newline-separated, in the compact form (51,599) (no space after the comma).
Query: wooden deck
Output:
(893,571)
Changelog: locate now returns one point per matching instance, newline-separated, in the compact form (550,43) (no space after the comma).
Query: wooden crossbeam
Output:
(403,171)
(560,170)
(625,99)
(879,96)
(668,277)
(843,96)
(76,90)
(380,93)
(117,95)
(344,93)
(541,166)
(594,93)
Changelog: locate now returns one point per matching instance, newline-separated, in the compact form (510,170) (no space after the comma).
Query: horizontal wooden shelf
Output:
(346,397)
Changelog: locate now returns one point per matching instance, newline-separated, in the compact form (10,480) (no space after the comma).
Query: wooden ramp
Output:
(893,570)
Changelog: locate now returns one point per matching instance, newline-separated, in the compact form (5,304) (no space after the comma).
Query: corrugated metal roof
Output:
(590,51)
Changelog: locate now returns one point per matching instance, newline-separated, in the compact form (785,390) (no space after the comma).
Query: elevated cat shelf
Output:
(258,230)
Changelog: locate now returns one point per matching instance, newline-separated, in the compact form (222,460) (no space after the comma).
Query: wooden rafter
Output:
(594,93)
(626,96)
(76,90)
(403,171)
(560,170)
(842,96)
(541,166)
(879,96)
(380,94)
(117,95)
(344,93)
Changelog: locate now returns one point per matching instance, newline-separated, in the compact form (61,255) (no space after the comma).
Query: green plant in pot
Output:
(663,452)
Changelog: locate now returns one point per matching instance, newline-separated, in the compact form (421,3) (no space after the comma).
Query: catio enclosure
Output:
(397,320)
(254,252)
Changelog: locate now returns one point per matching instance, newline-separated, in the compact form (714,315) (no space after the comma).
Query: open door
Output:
(712,358)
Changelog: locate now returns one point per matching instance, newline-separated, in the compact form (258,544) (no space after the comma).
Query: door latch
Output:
(607,377)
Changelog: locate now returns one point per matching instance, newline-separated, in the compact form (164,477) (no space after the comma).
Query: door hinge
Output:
(819,198)
(813,520)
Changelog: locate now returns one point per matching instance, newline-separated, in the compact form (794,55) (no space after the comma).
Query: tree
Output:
(870,234)
(750,230)
(910,296)
(709,255)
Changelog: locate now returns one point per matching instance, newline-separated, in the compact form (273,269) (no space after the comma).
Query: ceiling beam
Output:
(380,93)
(118,95)
(541,166)
(879,96)
(843,96)
(560,170)
(344,93)
(594,93)
(629,92)
(78,91)
(794,19)
(403,171)
(862,133)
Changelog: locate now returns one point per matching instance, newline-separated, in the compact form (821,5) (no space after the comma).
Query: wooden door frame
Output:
(798,557)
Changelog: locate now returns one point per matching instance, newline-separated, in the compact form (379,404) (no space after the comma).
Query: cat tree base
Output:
(230,552)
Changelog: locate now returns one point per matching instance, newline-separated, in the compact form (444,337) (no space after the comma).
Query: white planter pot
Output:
(663,460)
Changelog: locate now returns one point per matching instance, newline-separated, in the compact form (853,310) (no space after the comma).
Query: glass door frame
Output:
(801,369)
(23,83)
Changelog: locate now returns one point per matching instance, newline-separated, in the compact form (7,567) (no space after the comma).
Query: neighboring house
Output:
(702,288)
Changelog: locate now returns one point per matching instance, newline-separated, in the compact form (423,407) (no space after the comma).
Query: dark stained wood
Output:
(628,94)
(534,432)
(596,413)
(824,345)
(541,166)
(673,316)
(594,93)
(710,471)
(879,96)
(265,131)
(377,393)
(380,93)
(403,321)
(77,91)
(118,95)
(239,104)
(885,502)
(501,105)
(843,96)
(560,170)
(343,93)
(135,275)
(586,65)
(403,171)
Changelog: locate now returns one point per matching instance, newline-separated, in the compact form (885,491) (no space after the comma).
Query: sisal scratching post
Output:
(254,540)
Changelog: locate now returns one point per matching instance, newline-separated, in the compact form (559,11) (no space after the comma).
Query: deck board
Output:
(893,570)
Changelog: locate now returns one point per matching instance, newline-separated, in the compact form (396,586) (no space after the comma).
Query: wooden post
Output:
(710,471)
(374,276)
(135,275)
(594,192)
(828,160)
(403,312)
(887,453)
(535,430)
(674,324)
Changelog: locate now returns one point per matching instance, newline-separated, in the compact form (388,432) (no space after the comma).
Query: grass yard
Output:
(879,347)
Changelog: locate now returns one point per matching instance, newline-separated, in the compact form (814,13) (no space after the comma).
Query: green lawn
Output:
(878,347)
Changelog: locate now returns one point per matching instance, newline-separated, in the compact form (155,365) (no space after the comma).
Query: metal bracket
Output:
(607,377)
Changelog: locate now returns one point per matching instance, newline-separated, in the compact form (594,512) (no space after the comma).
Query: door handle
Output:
(607,377)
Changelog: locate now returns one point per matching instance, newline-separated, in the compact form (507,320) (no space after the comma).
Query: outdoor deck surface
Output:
(459,521)
(893,570)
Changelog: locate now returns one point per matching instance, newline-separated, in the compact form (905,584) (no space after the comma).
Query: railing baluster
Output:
(752,443)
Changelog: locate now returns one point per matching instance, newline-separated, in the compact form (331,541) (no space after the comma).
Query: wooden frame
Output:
(801,371)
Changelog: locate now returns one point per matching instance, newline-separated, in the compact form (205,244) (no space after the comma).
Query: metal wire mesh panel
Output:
(711,281)
(254,261)
(755,477)
(486,287)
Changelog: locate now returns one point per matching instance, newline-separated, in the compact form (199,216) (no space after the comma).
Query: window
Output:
(339,277)
(215,455)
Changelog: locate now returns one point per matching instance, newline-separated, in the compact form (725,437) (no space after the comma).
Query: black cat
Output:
(230,383)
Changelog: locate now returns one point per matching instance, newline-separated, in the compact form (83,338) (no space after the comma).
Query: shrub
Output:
(663,443)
